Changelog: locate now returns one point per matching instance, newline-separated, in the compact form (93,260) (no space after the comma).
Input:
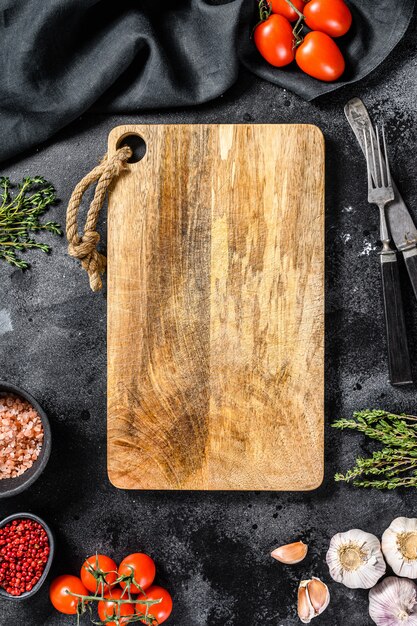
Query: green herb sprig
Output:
(393,466)
(21,206)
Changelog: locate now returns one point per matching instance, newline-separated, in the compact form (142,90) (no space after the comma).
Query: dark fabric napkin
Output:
(60,57)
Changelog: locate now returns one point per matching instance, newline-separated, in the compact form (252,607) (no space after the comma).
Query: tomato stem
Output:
(299,25)
(116,618)
(297,30)
(114,601)
(294,8)
(265,9)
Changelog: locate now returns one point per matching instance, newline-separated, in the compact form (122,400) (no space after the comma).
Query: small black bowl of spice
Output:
(26,553)
(25,440)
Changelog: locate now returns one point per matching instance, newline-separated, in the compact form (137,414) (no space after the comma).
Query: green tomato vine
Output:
(87,602)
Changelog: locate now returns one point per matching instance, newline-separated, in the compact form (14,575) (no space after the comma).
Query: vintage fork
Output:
(380,192)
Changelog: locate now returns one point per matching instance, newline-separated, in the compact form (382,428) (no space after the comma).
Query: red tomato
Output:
(283,8)
(108,608)
(98,570)
(320,57)
(160,611)
(142,569)
(332,17)
(59,592)
(275,40)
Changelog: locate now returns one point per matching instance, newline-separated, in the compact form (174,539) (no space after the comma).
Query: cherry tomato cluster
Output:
(316,54)
(123,594)
(24,553)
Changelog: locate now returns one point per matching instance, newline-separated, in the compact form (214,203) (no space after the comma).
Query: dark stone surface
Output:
(212,549)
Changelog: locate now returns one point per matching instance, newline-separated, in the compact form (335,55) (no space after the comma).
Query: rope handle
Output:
(84,247)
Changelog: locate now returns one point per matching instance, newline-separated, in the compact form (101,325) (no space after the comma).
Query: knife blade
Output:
(401,224)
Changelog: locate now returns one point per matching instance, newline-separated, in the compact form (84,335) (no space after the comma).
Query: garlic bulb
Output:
(393,602)
(313,599)
(355,559)
(399,545)
(291,553)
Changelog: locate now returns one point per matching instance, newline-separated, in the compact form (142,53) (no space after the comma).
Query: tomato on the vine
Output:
(320,57)
(98,570)
(60,590)
(160,611)
(142,569)
(275,40)
(332,17)
(107,608)
(283,8)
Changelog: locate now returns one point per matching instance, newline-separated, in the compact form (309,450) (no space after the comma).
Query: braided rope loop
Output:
(84,247)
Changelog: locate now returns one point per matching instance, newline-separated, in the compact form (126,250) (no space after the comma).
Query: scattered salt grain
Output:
(367,248)
(21,436)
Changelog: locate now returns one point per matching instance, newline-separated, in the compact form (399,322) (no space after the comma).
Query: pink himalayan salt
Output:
(21,436)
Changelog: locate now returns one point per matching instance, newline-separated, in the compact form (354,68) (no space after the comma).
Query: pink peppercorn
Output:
(24,551)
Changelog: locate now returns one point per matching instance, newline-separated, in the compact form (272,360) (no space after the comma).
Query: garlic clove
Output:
(319,595)
(313,599)
(399,545)
(393,602)
(305,610)
(291,553)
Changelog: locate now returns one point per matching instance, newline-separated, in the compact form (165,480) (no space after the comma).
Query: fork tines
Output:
(379,175)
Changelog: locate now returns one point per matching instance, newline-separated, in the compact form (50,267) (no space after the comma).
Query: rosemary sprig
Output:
(393,466)
(21,206)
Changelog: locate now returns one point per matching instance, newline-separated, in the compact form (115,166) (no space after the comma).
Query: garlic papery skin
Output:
(355,559)
(313,599)
(399,545)
(291,553)
(393,602)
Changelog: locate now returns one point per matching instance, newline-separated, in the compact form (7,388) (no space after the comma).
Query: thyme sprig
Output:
(393,466)
(21,206)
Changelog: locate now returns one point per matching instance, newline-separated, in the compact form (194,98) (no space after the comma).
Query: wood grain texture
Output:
(216,309)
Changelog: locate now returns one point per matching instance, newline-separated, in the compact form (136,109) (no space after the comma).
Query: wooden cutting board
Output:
(216,309)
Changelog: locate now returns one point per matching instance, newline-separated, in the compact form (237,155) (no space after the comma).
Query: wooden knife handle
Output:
(410,257)
(398,355)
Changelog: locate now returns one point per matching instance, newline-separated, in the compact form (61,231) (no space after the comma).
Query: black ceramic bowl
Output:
(28,594)
(13,486)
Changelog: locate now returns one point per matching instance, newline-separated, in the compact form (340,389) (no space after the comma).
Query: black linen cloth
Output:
(60,57)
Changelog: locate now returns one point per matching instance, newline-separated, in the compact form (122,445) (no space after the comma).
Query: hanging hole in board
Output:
(136,144)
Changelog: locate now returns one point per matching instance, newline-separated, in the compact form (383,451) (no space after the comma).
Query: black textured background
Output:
(212,550)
